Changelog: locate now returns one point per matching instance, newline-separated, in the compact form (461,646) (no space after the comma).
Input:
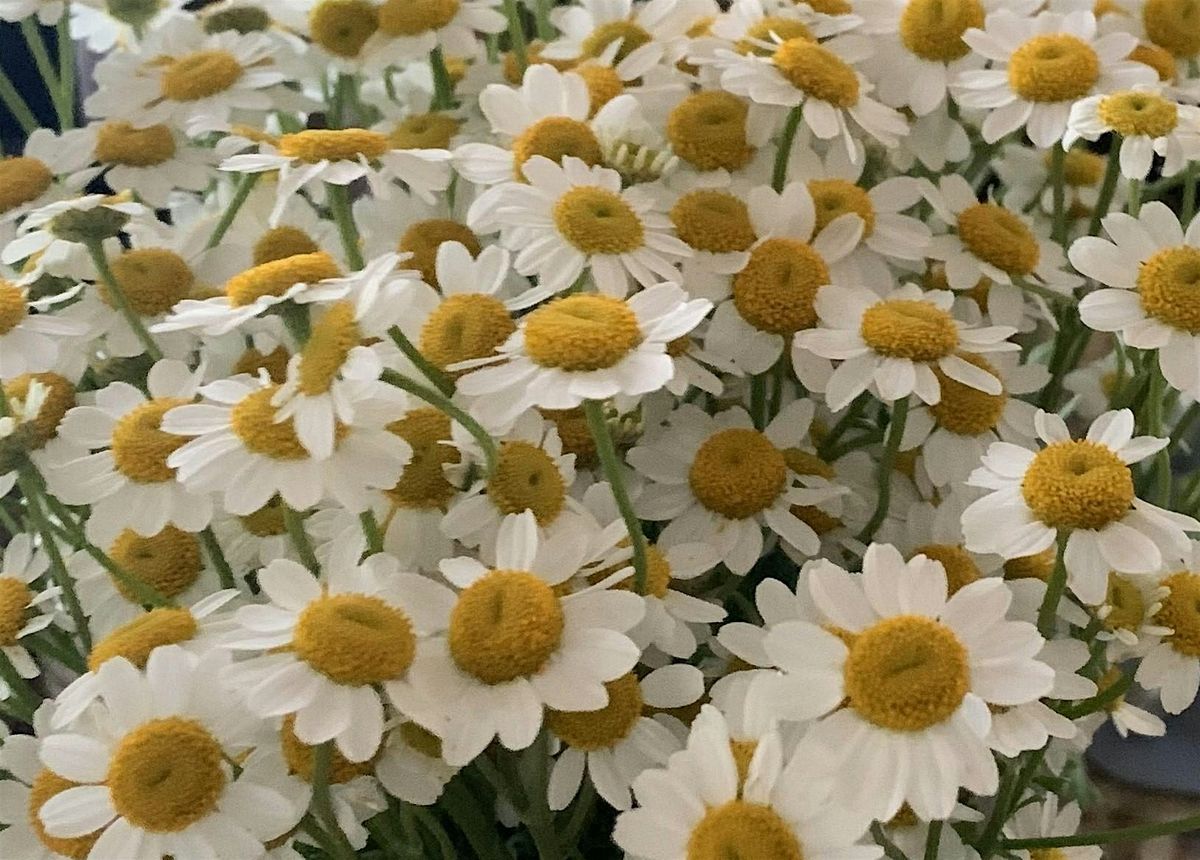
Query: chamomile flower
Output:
(1049,819)
(22,606)
(1029,726)
(1127,613)
(31,180)
(152,161)
(412,28)
(1148,124)
(32,342)
(1083,489)
(410,764)
(589,29)
(1171,664)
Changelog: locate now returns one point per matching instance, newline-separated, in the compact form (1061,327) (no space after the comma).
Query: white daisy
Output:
(32,179)
(33,342)
(28,785)
(1148,124)
(408,29)
(1171,663)
(22,607)
(590,28)
(1034,820)
(409,764)
(152,161)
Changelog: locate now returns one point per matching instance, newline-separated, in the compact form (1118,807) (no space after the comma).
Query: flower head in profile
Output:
(1148,122)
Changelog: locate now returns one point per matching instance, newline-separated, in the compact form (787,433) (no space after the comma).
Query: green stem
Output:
(884,473)
(1138,833)
(370,527)
(933,839)
(41,58)
(1189,194)
(758,399)
(16,104)
(339,205)
(779,174)
(1154,427)
(434,827)
(217,556)
(434,374)
(1099,701)
(545,28)
(890,850)
(1184,424)
(343,97)
(27,698)
(100,260)
(490,453)
(1055,587)
(516,35)
(1058,158)
(829,443)
(66,65)
(294,523)
(611,464)
(1108,187)
(1135,197)
(244,186)
(322,804)
(443,87)
(58,647)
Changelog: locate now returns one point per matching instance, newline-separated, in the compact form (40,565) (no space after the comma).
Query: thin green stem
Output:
(758,399)
(294,523)
(884,473)
(933,839)
(244,186)
(1098,702)
(1154,427)
(490,452)
(27,698)
(322,803)
(1108,187)
(370,527)
(434,827)
(1055,587)
(434,374)
(1134,205)
(1138,833)
(890,850)
(55,650)
(66,65)
(1189,194)
(1184,424)
(852,414)
(16,104)
(343,216)
(516,35)
(100,260)
(779,174)
(41,58)
(217,556)
(611,464)
(545,27)
(1058,159)
(443,86)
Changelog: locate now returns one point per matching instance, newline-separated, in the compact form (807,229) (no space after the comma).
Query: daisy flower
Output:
(103,26)
(406,223)
(1042,65)
(1171,663)
(584,347)
(410,766)
(918,676)
(256,539)
(21,607)
(153,777)
(903,343)
(493,674)
(408,29)
(1127,613)
(126,478)
(152,161)
(1083,488)
(590,28)
(1034,820)
(324,645)
(1148,124)
(1127,718)
(1031,725)
(29,180)
(33,342)
(698,804)
(1144,266)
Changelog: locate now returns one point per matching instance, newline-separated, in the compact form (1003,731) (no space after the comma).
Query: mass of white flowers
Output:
(649,429)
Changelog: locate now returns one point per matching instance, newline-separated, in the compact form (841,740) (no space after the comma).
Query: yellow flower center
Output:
(274,363)
(504,626)
(1077,485)
(742,830)
(776,290)
(829,7)
(603,84)
(933,29)
(465,326)
(556,137)
(771,30)
(573,431)
(13,308)
(282,242)
(581,333)
(738,473)
(997,236)
(1138,113)
(334,144)
(836,197)
(1053,67)
(414,17)
(22,180)
(299,757)
(278,276)
(14,602)
(1174,25)
(423,484)
(806,463)
(154,280)
(329,345)
(713,221)
(354,639)
(658,572)
(140,447)
(60,397)
(253,420)
(526,479)
(631,35)
(199,75)
(818,72)
(1037,566)
(267,521)
(135,639)
(708,131)
(964,410)
(342,27)
(166,775)
(1168,286)
(909,328)
(425,131)
(598,221)
(45,786)
(120,143)
(960,568)
(1081,169)
(1127,607)
(1181,612)
(597,730)
(168,561)
(1157,58)
(423,238)
(906,673)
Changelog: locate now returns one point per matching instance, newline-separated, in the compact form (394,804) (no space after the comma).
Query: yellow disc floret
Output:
(708,131)
(713,221)
(960,567)
(45,786)
(342,27)
(13,307)
(1037,566)
(354,639)
(555,138)
(199,75)
(119,142)
(1125,603)
(598,221)
(14,603)
(909,328)
(59,398)
(747,831)
(505,625)
(134,640)
(299,757)
(169,561)
(581,333)
(414,17)
(1174,25)
(771,30)
(1157,58)
(631,35)
(596,730)
(963,409)
(267,520)
(23,179)
(274,363)
(997,236)
(738,473)
(140,447)
(423,238)
(1181,612)
(425,131)
(933,29)
(1138,113)
(1077,485)
(282,242)
(776,290)
(526,479)
(818,72)
(253,420)
(328,347)
(833,198)
(423,484)
(1168,286)
(153,279)
(278,276)
(334,144)
(1053,67)
(463,327)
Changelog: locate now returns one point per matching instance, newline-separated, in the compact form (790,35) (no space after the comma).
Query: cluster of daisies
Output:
(661,429)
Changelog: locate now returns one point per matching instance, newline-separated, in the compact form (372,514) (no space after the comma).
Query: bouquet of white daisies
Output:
(661,429)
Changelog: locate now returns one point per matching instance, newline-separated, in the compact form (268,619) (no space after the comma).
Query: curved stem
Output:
(1055,587)
(41,58)
(1105,837)
(933,839)
(779,175)
(1108,187)
(339,205)
(244,187)
(66,64)
(884,474)
(322,804)
(611,465)
(1154,427)
(370,527)
(16,104)
(490,453)
(294,524)
(217,556)
(100,260)
(1058,158)
(434,374)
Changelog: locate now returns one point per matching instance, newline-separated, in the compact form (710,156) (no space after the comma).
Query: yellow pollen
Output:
(340,144)
(154,280)
(964,410)
(909,328)
(423,484)
(465,326)
(140,447)
(1157,58)
(603,84)
(1077,485)
(342,27)
(134,640)
(513,72)
(14,602)
(168,561)
(166,775)
(598,221)
(581,333)
(267,521)
(1181,612)
(573,431)
(45,786)
(526,479)
(253,134)
(776,290)
(1127,607)
(806,463)
(738,473)
(933,29)
(1174,25)
(658,572)
(199,75)
(278,276)
(597,730)
(425,131)
(1053,67)
(906,673)
(423,238)
(960,568)
(708,131)
(23,179)
(631,35)
(299,757)
(120,143)
(745,831)
(354,639)
(505,625)
(421,739)
(414,17)
(1038,566)
(328,347)
(253,420)
(1137,113)
(818,72)
(997,236)
(274,363)
(556,137)
(282,242)
(13,308)
(60,397)
(713,221)
(1047,854)
(829,7)
(836,197)
(1168,287)
(771,30)
(1081,169)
